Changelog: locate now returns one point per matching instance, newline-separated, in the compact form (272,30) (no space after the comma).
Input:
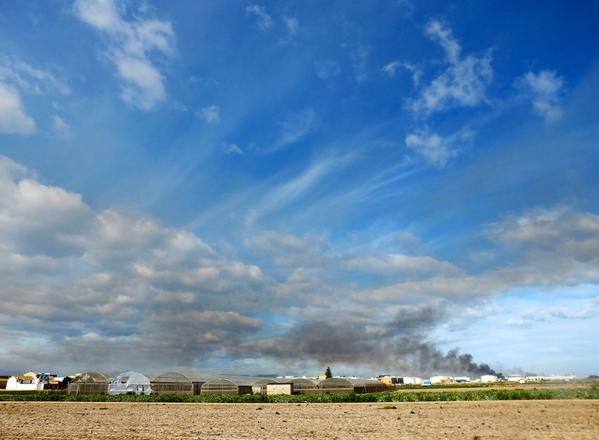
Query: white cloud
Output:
(294,128)
(232,149)
(463,83)
(399,264)
(114,274)
(435,149)
(30,79)
(263,20)
(130,45)
(544,90)
(293,27)
(558,230)
(209,114)
(586,310)
(13,119)
(390,69)
(61,127)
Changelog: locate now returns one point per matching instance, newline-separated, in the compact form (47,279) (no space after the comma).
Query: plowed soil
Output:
(555,419)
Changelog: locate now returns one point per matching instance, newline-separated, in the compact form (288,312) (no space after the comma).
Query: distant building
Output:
(435,380)
(516,378)
(273,389)
(489,378)
(400,380)
(29,381)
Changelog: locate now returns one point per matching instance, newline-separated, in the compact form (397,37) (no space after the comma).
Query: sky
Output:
(385,186)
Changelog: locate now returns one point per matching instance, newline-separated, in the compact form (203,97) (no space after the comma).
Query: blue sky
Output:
(278,186)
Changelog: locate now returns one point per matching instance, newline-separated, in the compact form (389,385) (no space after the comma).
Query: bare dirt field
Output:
(552,419)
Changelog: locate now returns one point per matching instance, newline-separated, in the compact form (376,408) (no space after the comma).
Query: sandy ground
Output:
(553,419)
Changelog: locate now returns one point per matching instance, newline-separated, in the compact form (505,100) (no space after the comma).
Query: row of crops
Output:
(397,396)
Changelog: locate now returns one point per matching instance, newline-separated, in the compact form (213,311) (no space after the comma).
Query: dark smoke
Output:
(400,345)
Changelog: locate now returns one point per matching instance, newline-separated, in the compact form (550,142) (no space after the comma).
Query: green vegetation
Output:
(396,396)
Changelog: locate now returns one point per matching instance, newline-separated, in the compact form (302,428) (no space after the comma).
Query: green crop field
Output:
(395,396)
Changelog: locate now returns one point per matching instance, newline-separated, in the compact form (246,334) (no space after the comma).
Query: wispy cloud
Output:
(462,84)
(390,69)
(209,114)
(293,27)
(232,149)
(435,149)
(131,43)
(263,20)
(294,128)
(544,90)
(61,127)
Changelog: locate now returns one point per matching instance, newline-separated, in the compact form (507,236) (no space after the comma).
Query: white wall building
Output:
(489,378)
(30,381)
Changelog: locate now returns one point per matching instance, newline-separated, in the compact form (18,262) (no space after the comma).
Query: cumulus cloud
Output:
(462,84)
(558,230)
(263,20)
(209,114)
(115,276)
(131,44)
(435,149)
(13,118)
(544,90)
(17,78)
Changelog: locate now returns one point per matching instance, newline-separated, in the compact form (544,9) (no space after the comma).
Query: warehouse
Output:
(130,382)
(90,382)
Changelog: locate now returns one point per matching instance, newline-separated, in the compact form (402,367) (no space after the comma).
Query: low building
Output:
(411,380)
(436,380)
(518,378)
(29,381)
(489,378)
(461,379)
(130,382)
(273,389)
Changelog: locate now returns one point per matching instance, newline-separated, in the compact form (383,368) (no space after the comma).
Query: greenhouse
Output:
(236,385)
(90,382)
(178,383)
(303,386)
(367,385)
(335,385)
(130,382)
